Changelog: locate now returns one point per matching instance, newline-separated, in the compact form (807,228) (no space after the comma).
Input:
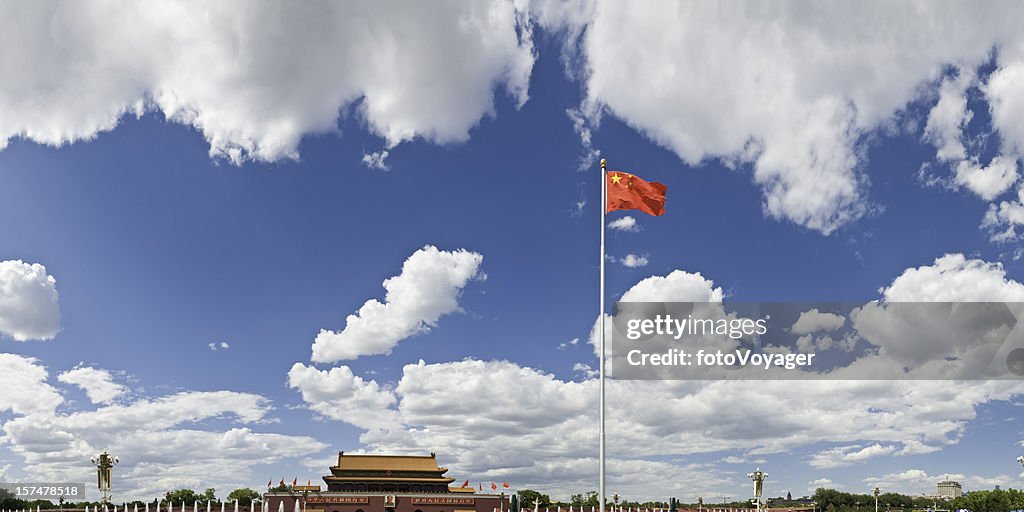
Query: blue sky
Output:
(171,213)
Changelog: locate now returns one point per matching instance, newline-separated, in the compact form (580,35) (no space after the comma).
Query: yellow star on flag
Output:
(616,179)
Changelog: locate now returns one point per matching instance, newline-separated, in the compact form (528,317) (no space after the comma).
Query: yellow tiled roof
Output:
(388,462)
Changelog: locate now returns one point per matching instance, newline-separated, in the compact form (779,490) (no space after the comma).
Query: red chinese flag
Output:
(505,485)
(309,483)
(629,192)
(295,482)
(481,485)
(494,486)
(465,484)
(282,482)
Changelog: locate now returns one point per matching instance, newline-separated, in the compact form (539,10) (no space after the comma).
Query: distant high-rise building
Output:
(949,489)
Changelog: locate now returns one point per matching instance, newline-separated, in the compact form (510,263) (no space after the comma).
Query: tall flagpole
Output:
(600,455)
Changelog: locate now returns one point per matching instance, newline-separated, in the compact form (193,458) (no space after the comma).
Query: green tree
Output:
(590,499)
(529,497)
(188,496)
(243,495)
(281,488)
(9,502)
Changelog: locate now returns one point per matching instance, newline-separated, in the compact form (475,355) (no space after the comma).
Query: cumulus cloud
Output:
(954,277)
(428,288)
(28,301)
(794,93)
(988,181)
(846,455)
(822,482)
(494,410)
(627,223)
(918,481)
(26,391)
(1002,221)
(814,321)
(946,129)
(487,415)
(586,370)
(215,346)
(254,81)
(161,445)
(340,395)
(98,384)
(571,343)
(376,160)
(631,260)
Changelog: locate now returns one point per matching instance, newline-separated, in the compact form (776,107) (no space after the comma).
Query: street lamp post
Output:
(876,491)
(758,477)
(104,463)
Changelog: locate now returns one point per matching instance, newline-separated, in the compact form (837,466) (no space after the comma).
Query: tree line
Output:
(244,495)
(1001,500)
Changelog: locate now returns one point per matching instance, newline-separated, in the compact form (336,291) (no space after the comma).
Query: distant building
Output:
(949,490)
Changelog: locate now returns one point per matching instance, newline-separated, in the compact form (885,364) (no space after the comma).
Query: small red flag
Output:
(481,484)
(505,485)
(295,482)
(465,484)
(270,483)
(494,486)
(629,192)
(282,482)
(309,482)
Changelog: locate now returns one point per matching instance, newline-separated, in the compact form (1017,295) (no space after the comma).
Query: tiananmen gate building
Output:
(386,483)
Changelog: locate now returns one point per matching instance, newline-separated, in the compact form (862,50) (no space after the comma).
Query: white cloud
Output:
(28,301)
(571,343)
(376,160)
(541,430)
(254,81)
(946,126)
(918,481)
(98,384)
(821,482)
(627,223)
(590,154)
(427,289)
(677,286)
(495,414)
(988,181)
(578,206)
(814,321)
(586,370)
(159,447)
(215,346)
(950,115)
(732,459)
(1002,221)
(953,277)
(23,380)
(340,395)
(846,455)
(793,93)
(631,260)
